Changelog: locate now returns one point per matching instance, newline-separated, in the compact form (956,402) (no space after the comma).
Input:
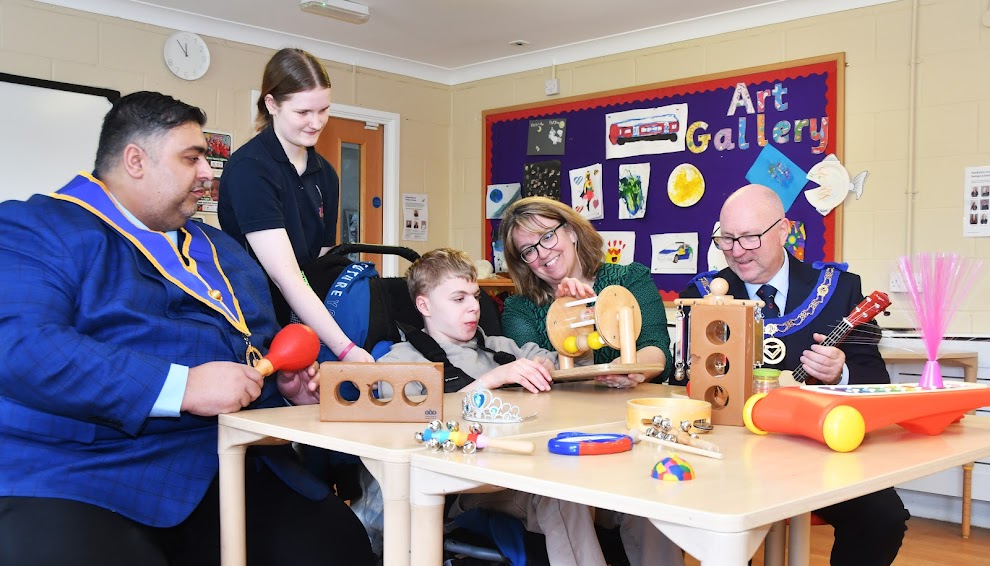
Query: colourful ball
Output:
(673,468)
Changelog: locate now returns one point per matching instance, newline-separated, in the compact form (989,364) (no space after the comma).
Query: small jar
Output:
(765,380)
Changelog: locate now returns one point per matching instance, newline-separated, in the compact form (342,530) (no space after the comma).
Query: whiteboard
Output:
(48,133)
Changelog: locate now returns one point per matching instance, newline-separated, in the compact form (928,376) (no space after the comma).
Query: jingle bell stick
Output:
(639,436)
(473,440)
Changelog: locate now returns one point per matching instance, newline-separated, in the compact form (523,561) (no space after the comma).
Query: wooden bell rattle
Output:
(294,348)
(662,433)
(578,326)
(436,438)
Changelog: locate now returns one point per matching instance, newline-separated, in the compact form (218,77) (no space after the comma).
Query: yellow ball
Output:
(844,428)
(595,341)
(570,345)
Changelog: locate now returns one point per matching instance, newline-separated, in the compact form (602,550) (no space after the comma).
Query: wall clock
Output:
(187,55)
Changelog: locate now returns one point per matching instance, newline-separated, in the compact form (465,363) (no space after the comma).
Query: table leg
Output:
(969,376)
(393,479)
(714,548)
(967,498)
(231,448)
(799,540)
(774,548)
(426,495)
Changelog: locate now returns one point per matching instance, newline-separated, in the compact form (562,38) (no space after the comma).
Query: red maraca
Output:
(294,348)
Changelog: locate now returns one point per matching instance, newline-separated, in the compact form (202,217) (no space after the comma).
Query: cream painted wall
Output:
(441,126)
(46,42)
(953,124)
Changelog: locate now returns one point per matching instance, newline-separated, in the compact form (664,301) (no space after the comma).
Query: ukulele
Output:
(864,312)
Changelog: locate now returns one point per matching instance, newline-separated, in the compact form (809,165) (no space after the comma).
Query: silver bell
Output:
(419,436)
(476,428)
(435,426)
(453,426)
(449,446)
(433,444)
(469,447)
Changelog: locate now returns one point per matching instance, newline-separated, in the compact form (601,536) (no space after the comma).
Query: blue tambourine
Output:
(589,443)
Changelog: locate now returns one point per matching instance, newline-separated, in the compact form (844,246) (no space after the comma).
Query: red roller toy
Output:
(841,415)
(294,348)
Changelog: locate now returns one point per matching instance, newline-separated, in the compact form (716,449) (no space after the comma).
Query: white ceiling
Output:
(456,41)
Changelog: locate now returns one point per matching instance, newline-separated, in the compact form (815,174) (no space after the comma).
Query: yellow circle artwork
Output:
(686,185)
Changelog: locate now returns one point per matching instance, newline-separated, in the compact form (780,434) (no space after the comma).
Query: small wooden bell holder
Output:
(400,408)
(725,343)
(574,327)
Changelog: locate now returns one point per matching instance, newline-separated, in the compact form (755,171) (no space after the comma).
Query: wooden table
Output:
(722,516)
(385,448)
(969,362)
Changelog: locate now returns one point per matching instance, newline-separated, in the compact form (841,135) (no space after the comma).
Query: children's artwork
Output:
(674,253)
(542,179)
(217,148)
(619,247)
(833,184)
(547,137)
(794,243)
(498,255)
(716,259)
(500,197)
(685,185)
(586,191)
(634,186)
(645,131)
(773,169)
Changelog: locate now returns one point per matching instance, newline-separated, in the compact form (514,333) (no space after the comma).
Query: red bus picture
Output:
(662,127)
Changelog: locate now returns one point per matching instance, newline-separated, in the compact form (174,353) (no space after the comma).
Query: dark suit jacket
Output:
(864,361)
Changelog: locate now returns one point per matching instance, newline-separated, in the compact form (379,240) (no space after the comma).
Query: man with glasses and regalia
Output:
(804,303)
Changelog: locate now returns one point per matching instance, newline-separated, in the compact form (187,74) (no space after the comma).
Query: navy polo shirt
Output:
(260,190)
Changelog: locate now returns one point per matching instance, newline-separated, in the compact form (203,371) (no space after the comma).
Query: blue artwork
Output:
(773,169)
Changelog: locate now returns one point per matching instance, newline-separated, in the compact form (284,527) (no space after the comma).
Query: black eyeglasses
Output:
(546,241)
(747,242)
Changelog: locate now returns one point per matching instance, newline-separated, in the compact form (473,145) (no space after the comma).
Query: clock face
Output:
(187,55)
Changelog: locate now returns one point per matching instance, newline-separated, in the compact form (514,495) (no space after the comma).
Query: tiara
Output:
(482,406)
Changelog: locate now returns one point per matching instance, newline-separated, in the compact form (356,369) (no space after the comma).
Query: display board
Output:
(50,133)
(650,166)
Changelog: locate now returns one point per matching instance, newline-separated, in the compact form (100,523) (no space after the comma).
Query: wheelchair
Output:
(375,319)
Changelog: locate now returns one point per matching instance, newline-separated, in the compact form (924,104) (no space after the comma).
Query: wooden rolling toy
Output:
(725,343)
(575,328)
(422,401)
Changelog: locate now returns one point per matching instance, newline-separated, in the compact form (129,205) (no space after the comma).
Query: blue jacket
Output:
(88,330)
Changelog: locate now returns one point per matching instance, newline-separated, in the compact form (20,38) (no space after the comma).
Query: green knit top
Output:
(525,321)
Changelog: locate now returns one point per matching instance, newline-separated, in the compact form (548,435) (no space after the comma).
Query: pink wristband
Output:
(343,353)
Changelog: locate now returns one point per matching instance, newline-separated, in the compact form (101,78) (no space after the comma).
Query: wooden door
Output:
(356,149)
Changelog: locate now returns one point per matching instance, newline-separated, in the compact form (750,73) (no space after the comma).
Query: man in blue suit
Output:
(809,302)
(125,328)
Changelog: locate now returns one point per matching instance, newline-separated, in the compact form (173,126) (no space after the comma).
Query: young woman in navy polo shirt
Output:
(279,198)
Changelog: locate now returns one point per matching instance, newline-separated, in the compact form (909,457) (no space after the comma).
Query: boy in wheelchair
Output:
(443,286)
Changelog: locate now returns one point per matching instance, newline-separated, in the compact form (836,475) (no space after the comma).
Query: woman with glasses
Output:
(551,251)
